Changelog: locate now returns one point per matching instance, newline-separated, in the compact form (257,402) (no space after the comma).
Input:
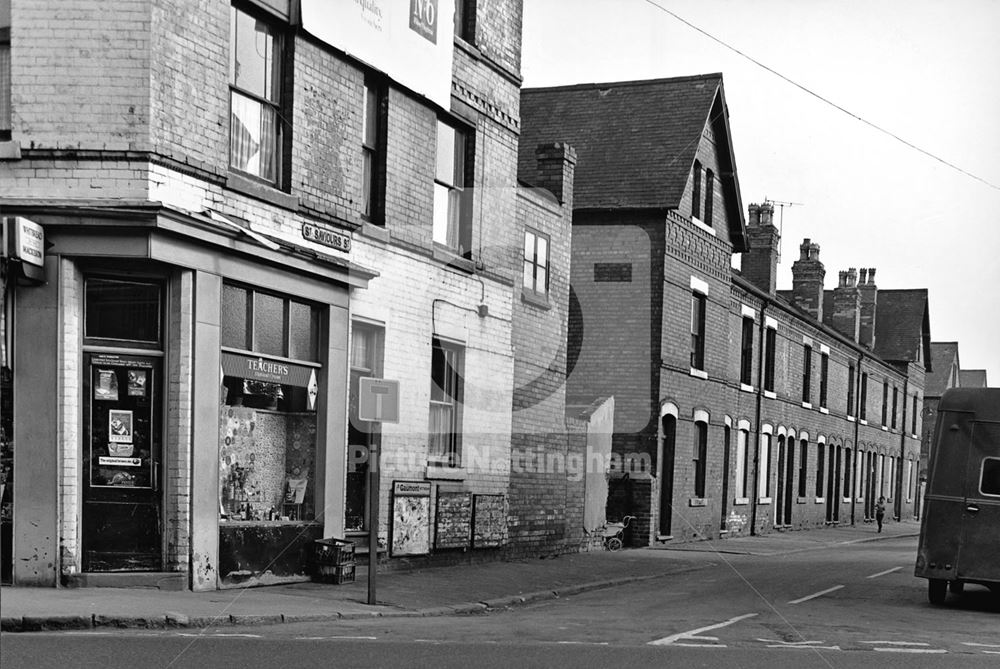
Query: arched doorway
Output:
(668,431)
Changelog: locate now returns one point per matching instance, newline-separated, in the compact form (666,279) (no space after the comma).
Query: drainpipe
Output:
(902,452)
(857,432)
(757,419)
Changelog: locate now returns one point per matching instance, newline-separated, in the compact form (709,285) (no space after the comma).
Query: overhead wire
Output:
(822,98)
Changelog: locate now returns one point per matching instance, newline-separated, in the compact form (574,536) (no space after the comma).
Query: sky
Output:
(925,71)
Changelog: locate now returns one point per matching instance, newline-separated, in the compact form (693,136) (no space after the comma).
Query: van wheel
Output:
(956,587)
(937,590)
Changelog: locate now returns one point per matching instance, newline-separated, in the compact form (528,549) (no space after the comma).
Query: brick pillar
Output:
(846,317)
(869,300)
(807,280)
(556,168)
(760,263)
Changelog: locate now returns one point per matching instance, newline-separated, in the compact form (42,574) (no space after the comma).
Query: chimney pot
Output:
(864,275)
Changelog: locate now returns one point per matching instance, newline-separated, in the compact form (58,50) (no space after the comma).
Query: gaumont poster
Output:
(409,40)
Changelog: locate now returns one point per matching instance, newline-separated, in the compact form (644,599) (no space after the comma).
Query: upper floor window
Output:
(746,352)
(913,416)
(373,151)
(863,410)
(255,97)
(770,340)
(451,215)
(806,372)
(536,263)
(885,402)
(709,196)
(698,301)
(824,381)
(5,77)
(696,192)
(850,389)
(445,448)
(895,405)
(465,20)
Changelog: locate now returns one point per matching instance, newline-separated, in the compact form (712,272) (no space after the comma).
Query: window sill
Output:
(863,421)
(374,231)
(800,500)
(824,410)
(851,419)
(698,223)
(741,501)
(261,191)
(820,500)
(699,373)
(535,299)
(697,501)
(452,259)
(745,388)
(10,149)
(770,394)
(763,500)
(807,405)
(885,429)
(444,473)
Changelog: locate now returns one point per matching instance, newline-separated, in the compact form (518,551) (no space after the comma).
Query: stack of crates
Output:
(333,561)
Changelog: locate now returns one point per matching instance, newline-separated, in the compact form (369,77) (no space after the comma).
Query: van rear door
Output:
(979,556)
(945,500)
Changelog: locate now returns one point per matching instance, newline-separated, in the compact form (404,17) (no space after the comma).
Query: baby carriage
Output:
(613,533)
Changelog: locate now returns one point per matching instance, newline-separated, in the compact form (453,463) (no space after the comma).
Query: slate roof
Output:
(944,356)
(902,325)
(972,378)
(635,140)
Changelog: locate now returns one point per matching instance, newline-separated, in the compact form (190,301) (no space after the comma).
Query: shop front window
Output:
(267,421)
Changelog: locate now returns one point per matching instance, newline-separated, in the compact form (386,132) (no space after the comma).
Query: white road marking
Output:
(788,643)
(583,643)
(222,634)
(992,652)
(883,573)
(981,645)
(699,645)
(815,595)
(71,633)
(910,650)
(325,638)
(896,643)
(693,634)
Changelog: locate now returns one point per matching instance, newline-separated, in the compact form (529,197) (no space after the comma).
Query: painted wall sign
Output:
(409,40)
(453,520)
(269,371)
(378,400)
(334,240)
(489,521)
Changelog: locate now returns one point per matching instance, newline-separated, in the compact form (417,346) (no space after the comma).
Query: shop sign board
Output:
(409,40)
(378,400)
(257,368)
(24,240)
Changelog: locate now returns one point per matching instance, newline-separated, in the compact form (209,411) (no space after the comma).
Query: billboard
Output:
(409,40)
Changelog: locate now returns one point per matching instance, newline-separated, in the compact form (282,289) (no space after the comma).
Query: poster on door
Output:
(121,422)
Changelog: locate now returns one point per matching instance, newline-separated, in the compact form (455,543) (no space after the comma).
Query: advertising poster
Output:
(120,426)
(137,382)
(106,387)
(411,517)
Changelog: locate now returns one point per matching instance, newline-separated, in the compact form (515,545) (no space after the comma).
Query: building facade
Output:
(738,408)
(275,249)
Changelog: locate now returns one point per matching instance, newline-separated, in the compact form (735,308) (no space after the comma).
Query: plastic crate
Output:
(332,552)
(338,574)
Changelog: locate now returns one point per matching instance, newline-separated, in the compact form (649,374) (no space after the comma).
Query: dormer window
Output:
(696,192)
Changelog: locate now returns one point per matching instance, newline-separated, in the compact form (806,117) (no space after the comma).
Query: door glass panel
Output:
(234,317)
(301,331)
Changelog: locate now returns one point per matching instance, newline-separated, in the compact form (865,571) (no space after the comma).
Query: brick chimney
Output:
(760,264)
(556,167)
(807,280)
(869,302)
(846,316)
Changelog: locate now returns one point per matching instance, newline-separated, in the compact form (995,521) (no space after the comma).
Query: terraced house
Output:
(281,238)
(738,408)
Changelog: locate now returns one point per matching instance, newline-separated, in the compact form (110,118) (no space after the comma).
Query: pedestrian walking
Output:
(880,512)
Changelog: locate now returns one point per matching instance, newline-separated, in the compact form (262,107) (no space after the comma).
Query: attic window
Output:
(696,192)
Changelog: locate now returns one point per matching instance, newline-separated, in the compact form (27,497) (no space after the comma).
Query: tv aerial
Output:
(781,215)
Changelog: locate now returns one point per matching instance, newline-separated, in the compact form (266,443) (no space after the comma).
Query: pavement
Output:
(431,591)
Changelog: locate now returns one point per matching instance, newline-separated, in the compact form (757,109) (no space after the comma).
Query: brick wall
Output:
(69,418)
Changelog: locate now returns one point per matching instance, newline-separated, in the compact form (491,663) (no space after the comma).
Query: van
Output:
(960,526)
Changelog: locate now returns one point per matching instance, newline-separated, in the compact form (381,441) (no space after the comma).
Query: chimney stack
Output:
(847,305)
(760,264)
(556,165)
(807,280)
(869,302)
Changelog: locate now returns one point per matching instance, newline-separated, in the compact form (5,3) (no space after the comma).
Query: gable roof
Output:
(944,356)
(635,141)
(902,326)
(972,378)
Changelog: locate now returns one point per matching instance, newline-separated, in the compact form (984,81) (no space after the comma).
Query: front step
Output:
(156,580)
